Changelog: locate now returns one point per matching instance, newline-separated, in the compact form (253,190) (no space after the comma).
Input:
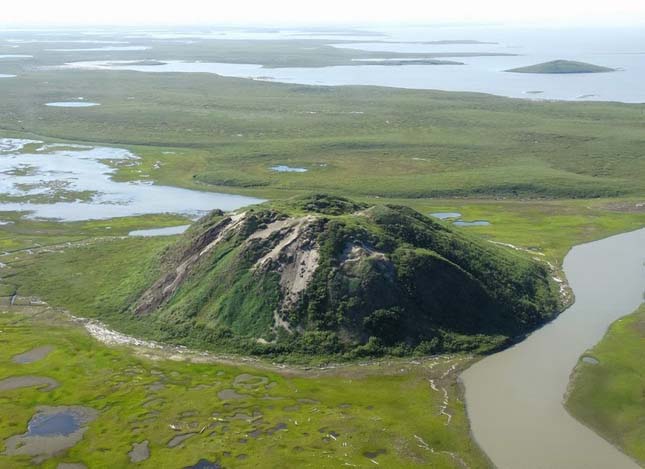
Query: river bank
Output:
(514,398)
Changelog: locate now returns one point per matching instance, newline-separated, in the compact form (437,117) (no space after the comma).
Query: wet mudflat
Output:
(33,355)
(140,452)
(17,382)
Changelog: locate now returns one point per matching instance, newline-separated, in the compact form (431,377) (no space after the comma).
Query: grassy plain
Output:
(386,412)
(20,234)
(610,396)
(216,133)
(529,167)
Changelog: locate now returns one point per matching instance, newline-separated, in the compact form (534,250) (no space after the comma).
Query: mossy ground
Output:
(610,396)
(386,408)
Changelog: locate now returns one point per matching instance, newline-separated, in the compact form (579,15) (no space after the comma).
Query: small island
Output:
(399,62)
(141,63)
(562,66)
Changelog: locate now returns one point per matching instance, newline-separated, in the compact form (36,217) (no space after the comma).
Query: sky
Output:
(285,12)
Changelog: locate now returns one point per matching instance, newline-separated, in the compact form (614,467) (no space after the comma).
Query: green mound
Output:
(325,275)
(562,66)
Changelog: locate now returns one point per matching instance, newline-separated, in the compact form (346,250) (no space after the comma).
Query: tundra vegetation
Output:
(607,389)
(313,276)
(150,411)
(547,175)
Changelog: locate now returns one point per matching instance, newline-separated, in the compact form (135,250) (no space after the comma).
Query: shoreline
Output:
(498,367)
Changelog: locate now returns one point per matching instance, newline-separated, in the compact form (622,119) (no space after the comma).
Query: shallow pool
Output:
(72,104)
(288,169)
(74,182)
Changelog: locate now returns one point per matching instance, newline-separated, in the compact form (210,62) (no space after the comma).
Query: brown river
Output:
(515,397)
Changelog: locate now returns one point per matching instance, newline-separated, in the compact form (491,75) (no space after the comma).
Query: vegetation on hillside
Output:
(319,275)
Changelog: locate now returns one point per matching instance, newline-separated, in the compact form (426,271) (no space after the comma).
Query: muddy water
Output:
(515,397)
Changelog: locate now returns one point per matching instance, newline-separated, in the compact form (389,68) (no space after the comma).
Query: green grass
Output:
(384,406)
(99,274)
(22,233)
(610,396)
(550,227)
(225,134)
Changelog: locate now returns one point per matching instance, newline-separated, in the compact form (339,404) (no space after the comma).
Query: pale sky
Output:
(283,12)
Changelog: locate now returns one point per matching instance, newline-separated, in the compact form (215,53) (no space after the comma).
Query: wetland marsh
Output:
(88,191)
(75,183)
(155,405)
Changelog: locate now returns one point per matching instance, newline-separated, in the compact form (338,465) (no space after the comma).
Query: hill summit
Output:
(326,275)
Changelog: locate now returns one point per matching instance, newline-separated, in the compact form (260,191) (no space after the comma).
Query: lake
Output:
(74,182)
(621,49)
(167,231)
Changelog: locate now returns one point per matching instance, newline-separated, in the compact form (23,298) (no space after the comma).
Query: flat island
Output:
(399,62)
(562,66)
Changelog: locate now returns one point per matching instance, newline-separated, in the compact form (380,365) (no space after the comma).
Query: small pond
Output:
(168,231)
(51,431)
(72,104)
(590,360)
(204,464)
(471,223)
(61,423)
(33,355)
(445,215)
(288,169)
